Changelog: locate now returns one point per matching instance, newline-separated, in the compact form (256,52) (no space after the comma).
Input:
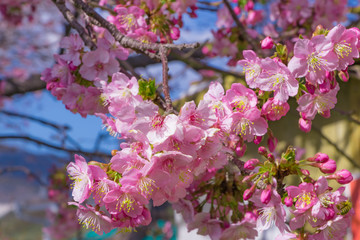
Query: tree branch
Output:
(41,142)
(145,48)
(60,4)
(24,170)
(165,75)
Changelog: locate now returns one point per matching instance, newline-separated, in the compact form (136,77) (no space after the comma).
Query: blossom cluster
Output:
(282,17)
(187,158)
(75,77)
(236,214)
(147,20)
(315,62)
(162,154)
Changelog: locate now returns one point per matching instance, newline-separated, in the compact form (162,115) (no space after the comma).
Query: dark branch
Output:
(41,142)
(60,4)
(35,119)
(24,170)
(145,48)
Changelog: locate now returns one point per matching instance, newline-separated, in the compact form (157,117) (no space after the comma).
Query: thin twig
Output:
(241,28)
(35,119)
(61,128)
(41,142)
(24,170)
(60,4)
(352,161)
(165,75)
(348,115)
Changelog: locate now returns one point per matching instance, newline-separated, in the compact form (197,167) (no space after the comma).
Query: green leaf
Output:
(147,89)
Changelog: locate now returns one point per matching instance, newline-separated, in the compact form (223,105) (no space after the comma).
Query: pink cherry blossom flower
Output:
(310,104)
(344,45)
(108,43)
(82,176)
(240,98)
(274,110)
(93,219)
(312,58)
(278,78)
(72,44)
(129,19)
(247,125)
(200,116)
(224,18)
(206,225)
(240,230)
(122,90)
(98,64)
(252,67)
(62,71)
(267,43)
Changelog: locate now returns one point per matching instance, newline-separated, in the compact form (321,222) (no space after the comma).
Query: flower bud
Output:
(319,158)
(251,164)
(305,172)
(288,201)
(240,149)
(305,125)
(249,192)
(329,214)
(174,33)
(343,176)
(311,88)
(266,195)
(237,10)
(344,75)
(271,157)
(267,43)
(257,139)
(262,151)
(328,166)
(249,6)
(272,142)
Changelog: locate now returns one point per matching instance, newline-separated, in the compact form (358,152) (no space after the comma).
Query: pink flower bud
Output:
(266,195)
(305,172)
(262,151)
(271,157)
(174,33)
(325,86)
(305,125)
(344,75)
(319,158)
(249,6)
(237,10)
(288,201)
(311,88)
(249,192)
(325,114)
(251,163)
(267,43)
(240,149)
(343,176)
(328,166)
(257,139)
(272,142)
(329,214)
